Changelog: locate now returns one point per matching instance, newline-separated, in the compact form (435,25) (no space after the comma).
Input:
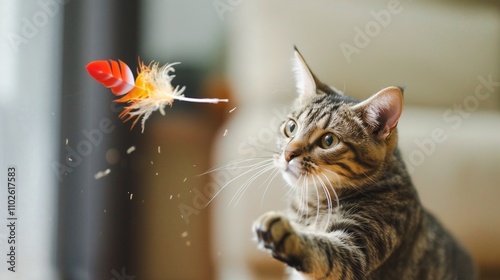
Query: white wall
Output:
(29,123)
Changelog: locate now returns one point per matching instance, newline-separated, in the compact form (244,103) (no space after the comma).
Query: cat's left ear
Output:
(381,112)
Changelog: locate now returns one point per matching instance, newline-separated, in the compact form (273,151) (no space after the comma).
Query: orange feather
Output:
(114,75)
(151,90)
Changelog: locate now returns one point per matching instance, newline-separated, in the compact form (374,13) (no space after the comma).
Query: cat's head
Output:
(330,138)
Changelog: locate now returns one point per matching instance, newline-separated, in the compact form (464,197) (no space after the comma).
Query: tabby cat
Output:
(355,213)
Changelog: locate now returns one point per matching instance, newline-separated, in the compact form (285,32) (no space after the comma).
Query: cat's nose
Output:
(289,155)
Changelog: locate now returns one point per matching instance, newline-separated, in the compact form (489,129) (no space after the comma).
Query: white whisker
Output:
(298,192)
(329,201)
(274,174)
(253,168)
(306,195)
(317,198)
(303,198)
(331,185)
(234,165)
(241,190)
(293,188)
(333,189)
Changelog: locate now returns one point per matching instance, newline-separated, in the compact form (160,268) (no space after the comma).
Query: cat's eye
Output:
(291,128)
(328,141)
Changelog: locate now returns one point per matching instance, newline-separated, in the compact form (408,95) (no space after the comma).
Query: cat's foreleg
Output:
(319,256)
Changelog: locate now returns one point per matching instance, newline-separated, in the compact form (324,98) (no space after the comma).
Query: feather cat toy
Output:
(150,91)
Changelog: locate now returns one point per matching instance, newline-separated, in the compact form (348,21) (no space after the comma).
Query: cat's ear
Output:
(381,112)
(305,81)
(308,85)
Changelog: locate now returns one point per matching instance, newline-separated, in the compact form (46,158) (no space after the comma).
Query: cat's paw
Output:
(275,233)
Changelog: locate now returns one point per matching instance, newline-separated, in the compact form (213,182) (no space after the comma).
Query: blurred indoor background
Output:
(146,219)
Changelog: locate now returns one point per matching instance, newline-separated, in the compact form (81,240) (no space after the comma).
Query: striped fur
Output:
(355,213)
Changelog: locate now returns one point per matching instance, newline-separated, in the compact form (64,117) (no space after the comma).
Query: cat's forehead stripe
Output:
(324,121)
(322,114)
(319,113)
(313,115)
(299,115)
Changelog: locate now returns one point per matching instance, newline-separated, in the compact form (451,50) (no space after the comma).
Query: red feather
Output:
(112,74)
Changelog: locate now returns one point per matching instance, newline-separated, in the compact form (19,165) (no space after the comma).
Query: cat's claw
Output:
(275,233)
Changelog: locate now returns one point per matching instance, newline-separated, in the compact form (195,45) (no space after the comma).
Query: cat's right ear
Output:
(305,81)
(308,85)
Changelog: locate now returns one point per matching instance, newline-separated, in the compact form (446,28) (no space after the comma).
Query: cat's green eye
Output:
(291,128)
(328,141)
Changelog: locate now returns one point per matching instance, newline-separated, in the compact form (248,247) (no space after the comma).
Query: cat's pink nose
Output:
(289,155)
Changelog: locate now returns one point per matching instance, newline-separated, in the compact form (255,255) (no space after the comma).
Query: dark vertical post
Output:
(93,239)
